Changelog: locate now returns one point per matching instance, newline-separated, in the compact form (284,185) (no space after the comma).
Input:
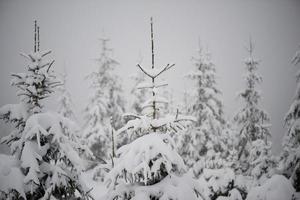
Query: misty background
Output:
(72,28)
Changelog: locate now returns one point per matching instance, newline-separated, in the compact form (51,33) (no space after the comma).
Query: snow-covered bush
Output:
(50,157)
(11,178)
(276,188)
(171,187)
(221,184)
(262,162)
(147,160)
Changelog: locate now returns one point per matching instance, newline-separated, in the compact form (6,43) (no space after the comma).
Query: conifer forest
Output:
(150,100)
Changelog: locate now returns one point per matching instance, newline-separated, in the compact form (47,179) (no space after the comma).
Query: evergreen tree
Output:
(65,100)
(45,144)
(139,95)
(149,167)
(252,121)
(290,158)
(204,142)
(32,87)
(106,105)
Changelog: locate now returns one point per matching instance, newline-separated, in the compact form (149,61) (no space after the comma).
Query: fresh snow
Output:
(276,188)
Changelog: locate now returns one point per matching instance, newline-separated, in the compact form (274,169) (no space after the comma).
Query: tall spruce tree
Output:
(106,105)
(290,158)
(253,123)
(45,144)
(204,141)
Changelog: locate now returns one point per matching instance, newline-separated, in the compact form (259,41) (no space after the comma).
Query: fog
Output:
(72,28)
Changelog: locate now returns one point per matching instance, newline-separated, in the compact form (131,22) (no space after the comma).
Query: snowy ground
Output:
(98,188)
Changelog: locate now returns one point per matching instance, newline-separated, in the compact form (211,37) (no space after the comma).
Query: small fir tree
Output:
(149,167)
(45,144)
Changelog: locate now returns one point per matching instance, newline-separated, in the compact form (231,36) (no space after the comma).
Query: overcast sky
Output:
(71,28)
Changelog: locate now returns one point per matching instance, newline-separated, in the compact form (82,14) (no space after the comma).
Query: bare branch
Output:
(48,52)
(50,65)
(144,71)
(164,69)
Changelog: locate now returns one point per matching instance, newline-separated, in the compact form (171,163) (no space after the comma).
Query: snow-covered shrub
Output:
(223,184)
(262,162)
(171,187)
(276,188)
(50,157)
(11,178)
(147,160)
(234,194)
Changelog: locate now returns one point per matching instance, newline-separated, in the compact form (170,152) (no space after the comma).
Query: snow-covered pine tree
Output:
(65,104)
(290,158)
(204,141)
(106,104)
(149,167)
(139,95)
(43,143)
(253,124)
(32,87)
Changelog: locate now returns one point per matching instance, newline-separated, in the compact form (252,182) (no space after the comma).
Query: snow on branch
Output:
(145,85)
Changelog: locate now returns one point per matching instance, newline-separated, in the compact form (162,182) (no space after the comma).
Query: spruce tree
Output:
(290,158)
(105,106)
(65,104)
(204,141)
(253,122)
(139,95)
(45,144)
(149,167)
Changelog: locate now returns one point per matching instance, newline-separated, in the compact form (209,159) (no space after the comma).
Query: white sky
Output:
(71,28)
